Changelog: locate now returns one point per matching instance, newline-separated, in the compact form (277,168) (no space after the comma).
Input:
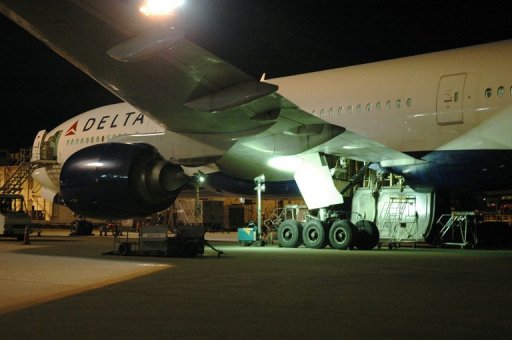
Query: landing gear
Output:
(341,234)
(289,234)
(368,235)
(314,234)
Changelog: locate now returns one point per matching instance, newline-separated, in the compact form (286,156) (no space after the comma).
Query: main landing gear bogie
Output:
(341,234)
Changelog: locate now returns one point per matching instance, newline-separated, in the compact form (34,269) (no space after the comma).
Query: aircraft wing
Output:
(151,65)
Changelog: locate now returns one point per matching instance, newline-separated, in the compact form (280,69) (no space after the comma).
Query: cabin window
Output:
(330,112)
(488,92)
(408,102)
(358,108)
(378,106)
(87,140)
(398,103)
(340,110)
(349,109)
(313,112)
(368,107)
(501,91)
(388,105)
(72,141)
(321,112)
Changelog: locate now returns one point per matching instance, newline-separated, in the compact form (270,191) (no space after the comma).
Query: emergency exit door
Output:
(450,99)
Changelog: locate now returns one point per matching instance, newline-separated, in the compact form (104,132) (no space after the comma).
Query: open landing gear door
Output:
(315,183)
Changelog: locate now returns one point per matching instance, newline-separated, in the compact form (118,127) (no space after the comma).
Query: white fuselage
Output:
(452,100)
(100,125)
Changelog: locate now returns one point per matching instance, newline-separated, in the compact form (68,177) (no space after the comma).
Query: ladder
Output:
(400,219)
(14,185)
(355,179)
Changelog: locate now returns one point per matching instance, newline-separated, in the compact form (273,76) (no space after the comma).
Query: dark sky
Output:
(40,90)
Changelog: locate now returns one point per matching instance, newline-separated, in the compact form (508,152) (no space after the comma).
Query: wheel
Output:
(342,235)
(314,235)
(289,234)
(125,249)
(368,235)
(74,228)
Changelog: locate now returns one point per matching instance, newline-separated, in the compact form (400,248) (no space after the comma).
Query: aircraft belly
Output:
(48,177)
(246,163)
(459,170)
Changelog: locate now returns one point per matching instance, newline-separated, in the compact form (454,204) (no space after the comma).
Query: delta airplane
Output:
(440,120)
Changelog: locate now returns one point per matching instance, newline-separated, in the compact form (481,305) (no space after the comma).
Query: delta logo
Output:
(72,130)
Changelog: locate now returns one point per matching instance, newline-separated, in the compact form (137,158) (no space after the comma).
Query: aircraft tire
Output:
(289,234)
(342,235)
(368,235)
(314,235)
(124,249)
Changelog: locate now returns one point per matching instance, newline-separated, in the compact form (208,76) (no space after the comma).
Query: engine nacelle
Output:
(115,181)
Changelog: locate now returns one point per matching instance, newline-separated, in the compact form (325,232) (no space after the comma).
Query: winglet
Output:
(263,76)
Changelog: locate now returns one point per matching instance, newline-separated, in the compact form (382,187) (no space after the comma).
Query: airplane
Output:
(440,120)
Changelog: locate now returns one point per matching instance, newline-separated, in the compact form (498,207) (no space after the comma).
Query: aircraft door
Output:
(54,144)
(450,100)
(49,147)
(36,147)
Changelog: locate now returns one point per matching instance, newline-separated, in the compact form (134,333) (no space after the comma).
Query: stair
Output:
(399,220)
(355,179)
(14,185)
(458,229)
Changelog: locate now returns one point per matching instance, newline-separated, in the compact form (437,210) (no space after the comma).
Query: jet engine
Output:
(116,181)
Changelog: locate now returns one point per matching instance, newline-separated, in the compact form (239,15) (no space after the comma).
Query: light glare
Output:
(160,7)
(285,163)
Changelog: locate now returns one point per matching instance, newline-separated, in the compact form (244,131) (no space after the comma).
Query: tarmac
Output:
(64,287)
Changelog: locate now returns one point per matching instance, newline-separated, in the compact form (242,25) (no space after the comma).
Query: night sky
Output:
(39,89)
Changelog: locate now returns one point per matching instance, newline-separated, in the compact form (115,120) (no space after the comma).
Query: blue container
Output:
(247,235)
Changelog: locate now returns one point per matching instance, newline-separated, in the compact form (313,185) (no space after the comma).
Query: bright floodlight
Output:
(160,7)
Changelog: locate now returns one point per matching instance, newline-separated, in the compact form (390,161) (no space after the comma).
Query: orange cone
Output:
(26,238)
